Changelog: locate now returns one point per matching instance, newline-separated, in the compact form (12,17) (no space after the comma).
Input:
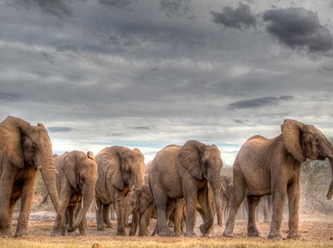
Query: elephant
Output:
(119,169)
(141,200)
(24,149)
(226,195)
(76,186)
(184,172)
(272,166)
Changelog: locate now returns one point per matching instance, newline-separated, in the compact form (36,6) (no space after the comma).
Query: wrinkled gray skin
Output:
(23,150)
(226,195)
(119,169)
(184,171)
(272,166)
(76,187)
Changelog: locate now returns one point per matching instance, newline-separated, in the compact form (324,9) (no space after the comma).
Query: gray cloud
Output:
(298,28)
(258,102)
(240,18)
(177,8)
(11,97)
(54,7)
(67,47)
(59,129)
(118,4)
(140,128)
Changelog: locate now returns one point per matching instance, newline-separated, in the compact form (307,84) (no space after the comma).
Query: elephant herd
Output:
(177,184)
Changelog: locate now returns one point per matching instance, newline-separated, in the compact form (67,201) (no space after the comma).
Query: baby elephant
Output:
(140,200)
(76,188)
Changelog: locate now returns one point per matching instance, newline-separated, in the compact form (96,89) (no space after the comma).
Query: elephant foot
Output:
(121,232)
(253,234)
(101,227)
(21,233)
(228,234)
(294,236)
(165,233)
(189,234)
(274,236)
(204,231)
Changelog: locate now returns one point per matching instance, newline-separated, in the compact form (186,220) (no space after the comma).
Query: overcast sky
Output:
(148,73)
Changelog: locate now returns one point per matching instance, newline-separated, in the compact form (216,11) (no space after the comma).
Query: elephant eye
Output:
(129,171)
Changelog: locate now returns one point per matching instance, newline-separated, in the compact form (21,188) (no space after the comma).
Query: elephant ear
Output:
(145,197)
(117,168)
(12,130)
(190,157)
(291,135)
(70,167)
(91,155)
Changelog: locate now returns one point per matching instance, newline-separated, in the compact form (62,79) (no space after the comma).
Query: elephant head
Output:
(80,171)
(130,168)
(25,144)
(204,162)
(306,141)
(137,200)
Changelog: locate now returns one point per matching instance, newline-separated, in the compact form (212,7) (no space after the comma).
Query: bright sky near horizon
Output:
(156,72)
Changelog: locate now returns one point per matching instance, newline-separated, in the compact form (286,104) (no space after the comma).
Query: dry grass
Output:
(165,243)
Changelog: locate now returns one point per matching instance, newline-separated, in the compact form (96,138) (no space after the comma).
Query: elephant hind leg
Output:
(252,202)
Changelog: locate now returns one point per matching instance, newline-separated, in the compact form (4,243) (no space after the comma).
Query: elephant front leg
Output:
(28,190)
(278,203)
(99,215)
(191,202)
(59,222)
(106,215)
(252,230)
(207,213)
(293,204)
(119,206)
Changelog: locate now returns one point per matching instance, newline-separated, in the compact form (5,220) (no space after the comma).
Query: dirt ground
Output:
(312,228)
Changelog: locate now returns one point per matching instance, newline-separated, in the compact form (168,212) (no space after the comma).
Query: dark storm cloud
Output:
(258,102)
(298,28)
(58,129)
(10,97)
(176,8)
(240,18)
(118,4)
(55,7)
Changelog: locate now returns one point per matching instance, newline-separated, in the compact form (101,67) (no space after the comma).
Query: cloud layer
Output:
(150,73)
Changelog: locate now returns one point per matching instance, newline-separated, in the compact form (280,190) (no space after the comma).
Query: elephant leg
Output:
(136,221)
(119,206)
(83,223)
(207,212)
(59,222)
(178,217)
(252,202)
(278,203)
(144,221)
(113,213)
(28,190)
(99,215)
(294,203)
(239,195)
(191,202)
(106,215)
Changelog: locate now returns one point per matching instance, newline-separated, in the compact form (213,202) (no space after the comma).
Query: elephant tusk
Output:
(222,187)
(39,167)
(82,202)
(95,204)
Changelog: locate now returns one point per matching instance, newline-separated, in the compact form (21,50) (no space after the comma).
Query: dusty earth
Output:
(312,228)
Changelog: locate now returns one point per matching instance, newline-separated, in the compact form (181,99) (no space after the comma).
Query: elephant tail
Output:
(44,200)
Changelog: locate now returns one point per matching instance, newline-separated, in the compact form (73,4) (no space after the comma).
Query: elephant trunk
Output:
(216,186)
(330,189)
(48,173)
(87,198)
(127,213)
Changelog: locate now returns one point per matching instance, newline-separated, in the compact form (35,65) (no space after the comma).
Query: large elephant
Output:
(119,169)
(76,186)
(184,171)
(24,149)
(272,166)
